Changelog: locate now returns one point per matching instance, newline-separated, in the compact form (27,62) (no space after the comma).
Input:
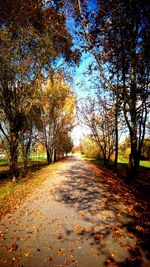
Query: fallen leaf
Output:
(67,263)
(11,248)
(28,254)
(50,258)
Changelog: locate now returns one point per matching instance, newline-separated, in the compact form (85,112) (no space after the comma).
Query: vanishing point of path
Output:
(76,218)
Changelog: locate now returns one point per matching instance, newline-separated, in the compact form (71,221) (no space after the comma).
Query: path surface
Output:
(73,219)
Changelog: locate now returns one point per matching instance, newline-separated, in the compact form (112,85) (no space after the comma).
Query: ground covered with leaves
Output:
(74,213)
(14,194)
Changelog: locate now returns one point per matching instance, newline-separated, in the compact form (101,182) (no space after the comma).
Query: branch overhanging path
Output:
(78,217)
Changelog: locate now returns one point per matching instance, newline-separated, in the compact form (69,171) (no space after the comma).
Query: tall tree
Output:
(116,33)
(16,103)
(32,35)
(57,112)
(99,119)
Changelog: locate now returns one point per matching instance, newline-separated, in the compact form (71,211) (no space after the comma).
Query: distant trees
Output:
(99,118)
(64,144)
(146,149)
(57,113)
(89,147)
(125,148)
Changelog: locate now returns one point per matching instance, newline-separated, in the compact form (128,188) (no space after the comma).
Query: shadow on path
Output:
(101,200)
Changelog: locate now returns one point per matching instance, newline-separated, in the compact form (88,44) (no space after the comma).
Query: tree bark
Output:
(133,130)
(49,156)
(26,158)
(116,138)
(55,155)
(14,170)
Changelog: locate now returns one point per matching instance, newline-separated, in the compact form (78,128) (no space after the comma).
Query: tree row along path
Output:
(82,215)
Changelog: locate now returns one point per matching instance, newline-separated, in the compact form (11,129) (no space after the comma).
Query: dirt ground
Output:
(83,215)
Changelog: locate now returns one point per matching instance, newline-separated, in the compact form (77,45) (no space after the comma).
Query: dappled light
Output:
(80,215)
(105,202)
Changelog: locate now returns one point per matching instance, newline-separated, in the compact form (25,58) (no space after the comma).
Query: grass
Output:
(13,194)
(38,158)
(6,189)
(96,161)
(145,163)
(122,161)
(33,158)
(6,186)
(3,161)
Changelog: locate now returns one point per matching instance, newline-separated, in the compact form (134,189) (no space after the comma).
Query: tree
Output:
(89,147)
(29,137)
(133,44)
(31,38)
(116,34)
(99,119)
(64,143)
(146,149)
(16,105)
(57,113)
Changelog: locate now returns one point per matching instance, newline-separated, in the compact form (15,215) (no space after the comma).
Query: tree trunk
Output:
(14,170)
(105,161)
(24,171)
(134,159)
(25,164)
(26,158)
(55,155)
(133,130)
(49,155)
(116,139)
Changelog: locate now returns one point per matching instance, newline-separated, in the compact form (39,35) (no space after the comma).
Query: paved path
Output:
(73,219)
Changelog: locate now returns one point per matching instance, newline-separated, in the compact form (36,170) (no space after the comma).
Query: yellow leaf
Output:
(28,254)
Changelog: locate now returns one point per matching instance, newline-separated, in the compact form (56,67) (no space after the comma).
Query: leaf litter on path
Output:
(95,219)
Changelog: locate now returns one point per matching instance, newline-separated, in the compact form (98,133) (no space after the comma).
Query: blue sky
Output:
(81,86)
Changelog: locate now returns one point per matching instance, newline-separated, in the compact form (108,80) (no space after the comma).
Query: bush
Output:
(89,148)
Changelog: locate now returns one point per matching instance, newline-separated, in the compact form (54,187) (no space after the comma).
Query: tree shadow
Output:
(32,167)
(106,205)
(4,176)
(36,166)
